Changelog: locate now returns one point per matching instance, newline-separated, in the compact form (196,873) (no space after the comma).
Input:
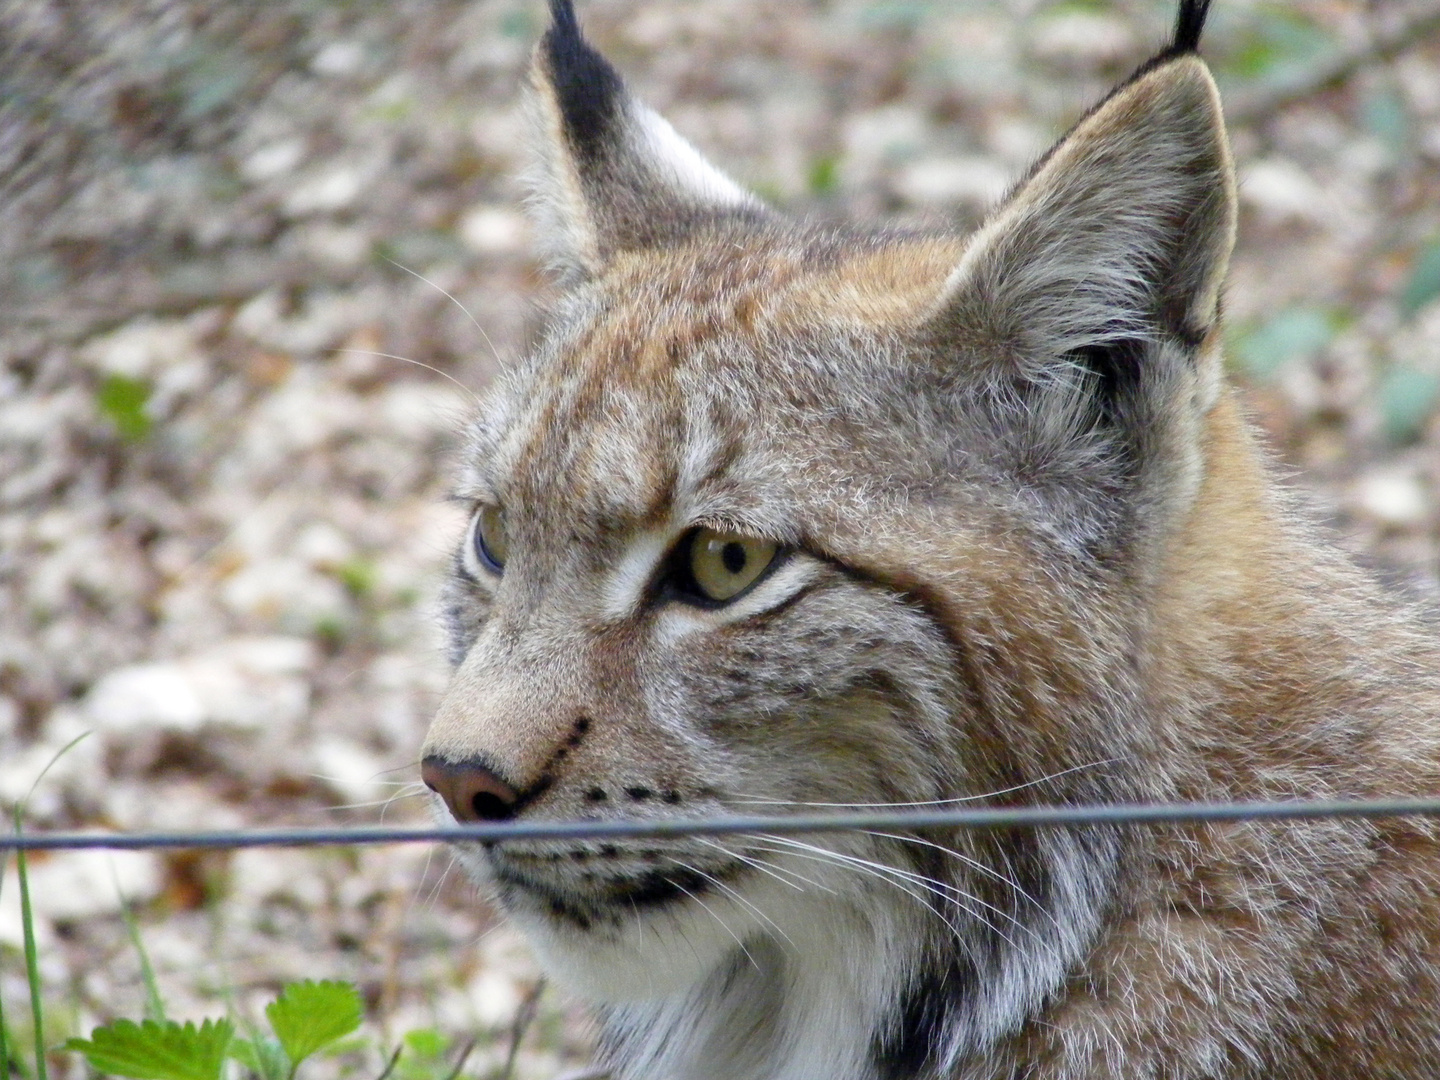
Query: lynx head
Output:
(781,516)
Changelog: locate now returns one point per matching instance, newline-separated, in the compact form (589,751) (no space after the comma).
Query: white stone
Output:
(339,58)
(494,996)
(340,246)
(493,230)
(286,593)
(262,656)
(254,685)
(534,1064)
(357,775)
(323,546)
(145,696)
(325,192)
(500,133)
(141,349)
(273,160)
(322,323)
(419,411)
(31,418)
(246,683)
(1018,142)
(1083,37)
(40,773)
(1280,190)
(978,181)
(69,886)
(260,874)
(145,803)
(1393,498)
(882,135)
(12,925)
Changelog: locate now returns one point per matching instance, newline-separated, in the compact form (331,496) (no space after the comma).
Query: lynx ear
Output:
(615,176)
(1117,242)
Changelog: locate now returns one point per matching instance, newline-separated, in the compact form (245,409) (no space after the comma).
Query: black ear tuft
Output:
(613,176)
(562,14)
(1188,24)
(587,89)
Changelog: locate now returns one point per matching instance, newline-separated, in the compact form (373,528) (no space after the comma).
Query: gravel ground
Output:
(255,257)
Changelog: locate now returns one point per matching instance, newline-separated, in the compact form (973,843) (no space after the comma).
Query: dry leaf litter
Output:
(254,259)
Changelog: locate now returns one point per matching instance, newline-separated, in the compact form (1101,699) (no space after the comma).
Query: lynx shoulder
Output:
(779,516)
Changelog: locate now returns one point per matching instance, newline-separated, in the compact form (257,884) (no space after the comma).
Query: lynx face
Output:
(779,517)
(692,616)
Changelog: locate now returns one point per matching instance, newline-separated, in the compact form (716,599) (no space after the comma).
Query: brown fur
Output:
(1032,554)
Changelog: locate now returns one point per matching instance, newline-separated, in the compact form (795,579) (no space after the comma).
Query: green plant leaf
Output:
(122,400)
(824,175)
(1275,44)
(1424,283)
(309,1015)
(426,1042)
(156,1051)
(359,577)
(1408,398)
(1289,335)
(1385,115)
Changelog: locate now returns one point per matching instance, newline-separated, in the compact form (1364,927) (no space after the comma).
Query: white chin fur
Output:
(661,951)
(654,952)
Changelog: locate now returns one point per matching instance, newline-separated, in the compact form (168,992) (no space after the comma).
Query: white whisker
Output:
(715,881)
(407,791)
(974,864)
(896,879)
(723,924)
(967,902)
(781,875)
(755,801)
(428,367)
(489,344)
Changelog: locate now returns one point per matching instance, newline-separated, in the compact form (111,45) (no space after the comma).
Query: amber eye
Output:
(719,566)
(489,545)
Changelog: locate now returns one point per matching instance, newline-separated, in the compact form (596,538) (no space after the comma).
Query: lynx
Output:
(781,516)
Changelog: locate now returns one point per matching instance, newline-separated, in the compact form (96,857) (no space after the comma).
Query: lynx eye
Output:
(489,544)
(718,566)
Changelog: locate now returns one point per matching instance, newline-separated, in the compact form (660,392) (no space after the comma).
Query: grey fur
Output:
(1031,557)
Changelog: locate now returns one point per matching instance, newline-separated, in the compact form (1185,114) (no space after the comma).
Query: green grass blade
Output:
(4,1027)
(154,1003)
(27,921)
(32,960)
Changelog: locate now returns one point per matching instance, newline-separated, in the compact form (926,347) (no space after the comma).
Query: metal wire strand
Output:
(904,820)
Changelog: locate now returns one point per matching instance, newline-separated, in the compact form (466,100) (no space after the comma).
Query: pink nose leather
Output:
(473,792)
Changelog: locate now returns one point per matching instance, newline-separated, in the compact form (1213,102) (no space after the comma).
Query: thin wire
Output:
(1025,817)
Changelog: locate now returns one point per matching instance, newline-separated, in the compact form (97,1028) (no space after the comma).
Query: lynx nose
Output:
(471,790)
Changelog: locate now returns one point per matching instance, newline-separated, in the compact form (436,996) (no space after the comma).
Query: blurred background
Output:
(254,258)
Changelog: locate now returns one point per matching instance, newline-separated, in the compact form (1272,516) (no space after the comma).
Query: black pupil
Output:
(733,556)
